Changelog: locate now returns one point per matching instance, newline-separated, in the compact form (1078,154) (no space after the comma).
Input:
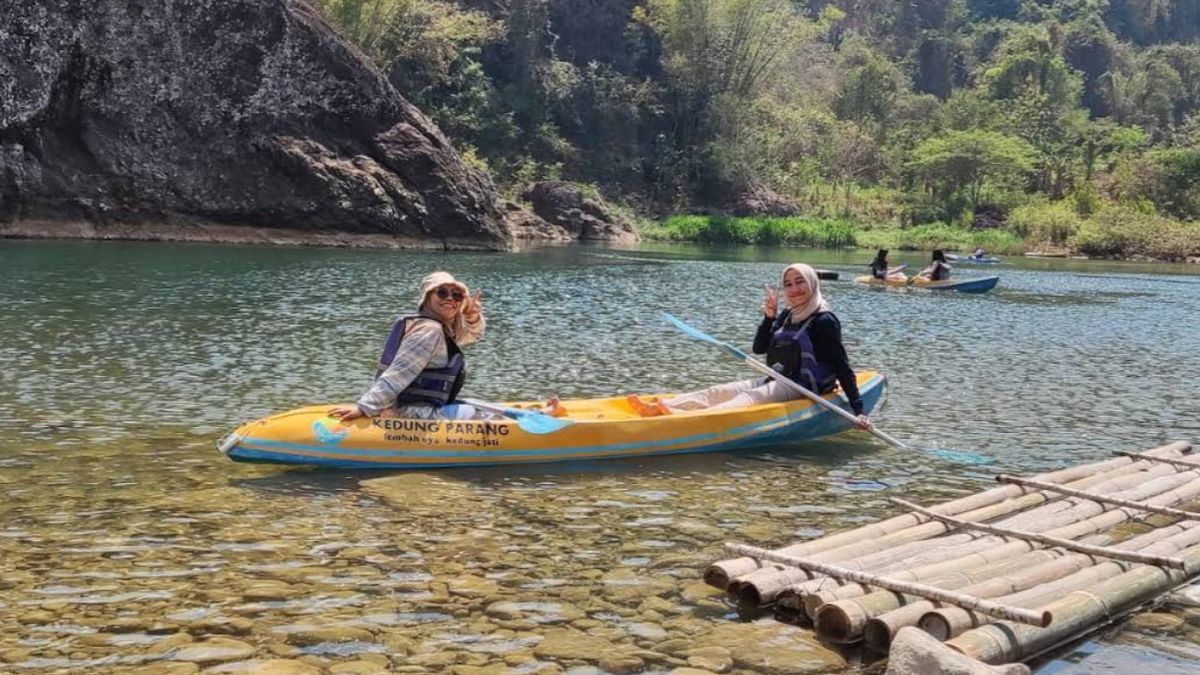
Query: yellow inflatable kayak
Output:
(600,429)
(982,285)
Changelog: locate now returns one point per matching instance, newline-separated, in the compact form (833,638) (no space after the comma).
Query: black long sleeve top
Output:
(825,331)
(879,270)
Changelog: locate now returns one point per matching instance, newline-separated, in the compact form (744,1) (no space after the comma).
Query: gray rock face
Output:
(563,204)
(234,112)
(759,200)
(524,224)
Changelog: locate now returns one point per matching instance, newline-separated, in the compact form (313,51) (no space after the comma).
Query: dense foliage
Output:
(1058,121)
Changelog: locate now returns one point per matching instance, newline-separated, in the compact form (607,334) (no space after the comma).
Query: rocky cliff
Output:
(162,116)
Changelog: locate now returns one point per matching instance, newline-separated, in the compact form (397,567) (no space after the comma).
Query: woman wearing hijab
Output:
(422,367)
(803,342)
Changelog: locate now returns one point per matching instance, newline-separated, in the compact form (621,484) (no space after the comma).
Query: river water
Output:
(127,542)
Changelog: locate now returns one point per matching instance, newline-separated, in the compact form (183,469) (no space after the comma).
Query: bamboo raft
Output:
(1002,576)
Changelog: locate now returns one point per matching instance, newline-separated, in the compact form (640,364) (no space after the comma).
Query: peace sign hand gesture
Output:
(771,302)
(473,308)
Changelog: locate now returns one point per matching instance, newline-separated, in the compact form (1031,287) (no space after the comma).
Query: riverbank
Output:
(214,233)
(1116,235)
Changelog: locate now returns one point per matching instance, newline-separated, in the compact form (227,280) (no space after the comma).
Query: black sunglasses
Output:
(444,293)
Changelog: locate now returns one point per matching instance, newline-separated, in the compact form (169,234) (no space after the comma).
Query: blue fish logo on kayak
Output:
(327,435)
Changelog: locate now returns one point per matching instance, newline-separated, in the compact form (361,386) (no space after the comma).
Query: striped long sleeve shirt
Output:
(423,346)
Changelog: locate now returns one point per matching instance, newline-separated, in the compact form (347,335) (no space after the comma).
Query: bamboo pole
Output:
(945,623)
(989,608)
(762,587)
(862,609)
(846,619)
(1164,458)
(720,573)
(881,629)
(1077,614)
(1176,563)
(1086,518)
(1084,494)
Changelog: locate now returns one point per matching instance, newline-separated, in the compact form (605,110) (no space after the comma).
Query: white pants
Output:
(732,395)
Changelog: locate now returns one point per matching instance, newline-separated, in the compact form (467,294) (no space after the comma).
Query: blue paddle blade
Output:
(699,335)
(538,423)
(530,421)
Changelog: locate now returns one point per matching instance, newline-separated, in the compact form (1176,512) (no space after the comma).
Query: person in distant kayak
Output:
(422,367)
(803,342)
(939,270)
(979,253)
(881,271)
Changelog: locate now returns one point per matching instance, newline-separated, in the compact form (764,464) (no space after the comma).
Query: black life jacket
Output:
(437,386)
(791,353)
(879,269)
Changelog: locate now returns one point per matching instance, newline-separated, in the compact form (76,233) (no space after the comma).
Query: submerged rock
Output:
(214,650)
(267,667)
(1157,622)
(774,649)
(422,492)
(572,644)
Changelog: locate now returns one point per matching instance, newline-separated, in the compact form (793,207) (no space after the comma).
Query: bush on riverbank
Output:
(1046,223)
(940,235)
(1119,231)
(826,233)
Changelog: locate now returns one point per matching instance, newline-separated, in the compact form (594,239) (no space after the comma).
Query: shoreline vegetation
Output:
(1115,238)
(1063,127)
(1116,234)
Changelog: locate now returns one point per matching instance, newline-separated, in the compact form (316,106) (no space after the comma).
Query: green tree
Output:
(1040,93)
(718,53)
(968,161)
(1091,50)
(869,86)
(1174,183)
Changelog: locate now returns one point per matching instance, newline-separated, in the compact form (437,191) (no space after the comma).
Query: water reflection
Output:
(120,364)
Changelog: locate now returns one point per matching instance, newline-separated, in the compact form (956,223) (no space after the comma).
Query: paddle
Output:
(531,421)
(951,455)
(778,377)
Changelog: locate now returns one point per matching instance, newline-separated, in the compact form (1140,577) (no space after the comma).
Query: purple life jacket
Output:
(437,386)
(791,354)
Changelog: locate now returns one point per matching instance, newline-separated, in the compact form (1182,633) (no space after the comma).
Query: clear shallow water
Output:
(120,364)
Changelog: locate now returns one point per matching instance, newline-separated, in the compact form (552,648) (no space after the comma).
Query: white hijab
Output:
(816,302)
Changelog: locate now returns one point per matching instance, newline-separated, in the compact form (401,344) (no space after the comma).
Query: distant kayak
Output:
(962,286)
(599,429)
(973,260)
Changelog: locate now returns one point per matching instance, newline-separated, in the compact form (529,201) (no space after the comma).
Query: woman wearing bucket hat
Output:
(803,342)
(422,368)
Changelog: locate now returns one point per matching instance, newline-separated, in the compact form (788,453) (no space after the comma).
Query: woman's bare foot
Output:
(647,409)
(554,408)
